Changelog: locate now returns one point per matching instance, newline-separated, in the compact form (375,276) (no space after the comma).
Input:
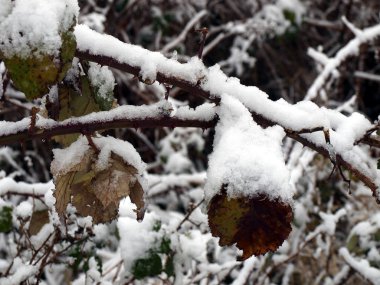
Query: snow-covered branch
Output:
(361,266)
(156,115)
(350,49)
(212,83)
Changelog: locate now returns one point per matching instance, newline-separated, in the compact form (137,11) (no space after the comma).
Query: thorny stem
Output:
(38,250)
(204,32)
(91,143)
(34,196)
(292,256)
(189,214)
(33,120)
(175,122)
(78,127)
(334,161)
(6,79)
(168,88)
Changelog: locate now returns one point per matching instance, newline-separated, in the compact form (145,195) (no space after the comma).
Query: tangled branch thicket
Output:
(322,51)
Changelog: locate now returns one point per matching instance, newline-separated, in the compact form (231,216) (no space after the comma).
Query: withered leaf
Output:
(257,224)
(64,182)
(114,183)
(87,204)
(95,192)
(137,198)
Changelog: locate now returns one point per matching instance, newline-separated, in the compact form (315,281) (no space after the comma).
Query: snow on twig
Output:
(361,266)
(124,116)
(350,49)
(211,83)
(185,31)
(9,185)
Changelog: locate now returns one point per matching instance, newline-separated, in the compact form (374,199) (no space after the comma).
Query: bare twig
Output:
(185,31)
(192,209)
(204,32)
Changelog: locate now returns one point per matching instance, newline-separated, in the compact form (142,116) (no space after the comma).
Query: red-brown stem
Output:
(175,122)
(64,129)
(204,32)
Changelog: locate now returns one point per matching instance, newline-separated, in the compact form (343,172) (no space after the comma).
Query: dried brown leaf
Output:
(257,224)
(87,204)
(64,182)
(137,198)
(97,193)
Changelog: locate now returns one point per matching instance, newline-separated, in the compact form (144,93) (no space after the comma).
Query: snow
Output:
(303,115)
(373,254)
(7,185)
(295,6)
(350,49)
(193,245)
(239,56)
(33,27)
(204,112)
(93,273)
(101,232)
(271,17)
(126,112)
(150,62)
(158,110)
(177,163)
(361,266)
(66,159)
(44,233)
(6,7)
(24,210)
(94,20)
(8,128)
(329,221)
(347,130)
(246,158)
(352,154)
(365,230)
(148,72)
(102,79)
(243,152)
(160,183)
(248,267)
(136,238)
(19,273)
(124,149)
(49,198)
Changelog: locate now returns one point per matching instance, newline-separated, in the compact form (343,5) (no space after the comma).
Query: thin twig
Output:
(189,214)
(204,32)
